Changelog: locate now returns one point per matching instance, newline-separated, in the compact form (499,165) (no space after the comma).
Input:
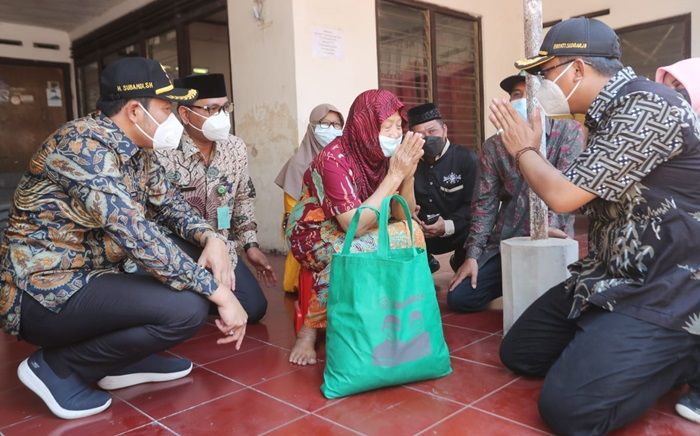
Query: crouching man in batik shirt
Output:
(624,328)
(78,214)
(210,167)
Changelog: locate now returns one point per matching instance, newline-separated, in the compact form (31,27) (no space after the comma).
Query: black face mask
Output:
(433,147)
(684,93)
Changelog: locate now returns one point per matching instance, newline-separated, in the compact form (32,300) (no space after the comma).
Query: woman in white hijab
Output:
(325,124)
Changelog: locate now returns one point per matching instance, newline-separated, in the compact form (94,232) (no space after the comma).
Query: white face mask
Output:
(389,144)
(552,98)
(168,133)
(216,127)
(325,136)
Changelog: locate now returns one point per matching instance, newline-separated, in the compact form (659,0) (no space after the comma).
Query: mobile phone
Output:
(431,219)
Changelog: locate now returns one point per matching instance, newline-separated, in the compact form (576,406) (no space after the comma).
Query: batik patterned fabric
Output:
(225,181)
(501,205)
(79,212)
(643,163)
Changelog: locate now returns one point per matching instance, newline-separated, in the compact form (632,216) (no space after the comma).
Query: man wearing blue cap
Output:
(79,213)
(624,329)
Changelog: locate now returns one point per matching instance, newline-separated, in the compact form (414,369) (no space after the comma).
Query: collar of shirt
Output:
(606,95)
(444,150)
(110,133)
(189,148)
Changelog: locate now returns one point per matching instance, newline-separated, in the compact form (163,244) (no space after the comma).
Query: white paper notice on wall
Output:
(327,43)
(53,94)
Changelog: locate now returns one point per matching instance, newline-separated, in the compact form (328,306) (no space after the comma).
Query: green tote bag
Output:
(384,325)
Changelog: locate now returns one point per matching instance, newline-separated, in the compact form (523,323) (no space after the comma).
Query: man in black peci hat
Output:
(78,214)
(210,167)
(501,206)
(624,329)
(444,181)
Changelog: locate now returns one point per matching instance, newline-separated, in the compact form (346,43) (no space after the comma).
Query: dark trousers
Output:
(113,321)
(602,370)
(454,243)
(464,298)
(248,290)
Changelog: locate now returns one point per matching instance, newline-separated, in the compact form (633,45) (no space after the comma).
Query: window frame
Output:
(432,10)
(683,18)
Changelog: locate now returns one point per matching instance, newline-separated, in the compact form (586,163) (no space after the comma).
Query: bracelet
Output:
(250,245)
(521,152)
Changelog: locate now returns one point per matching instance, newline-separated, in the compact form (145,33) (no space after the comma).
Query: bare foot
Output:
(304,350)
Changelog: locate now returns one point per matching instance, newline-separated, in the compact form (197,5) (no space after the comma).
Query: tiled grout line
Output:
(149,416)
(467,406)
(211,400)
(434,395)
(22,421)
(511,420)
(147,425)
(238,353)
(470,328)
(476,362)
(474,342)
(337,423)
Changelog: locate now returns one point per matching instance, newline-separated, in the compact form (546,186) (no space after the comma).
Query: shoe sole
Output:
(112,382)
(688,413)
(34,383)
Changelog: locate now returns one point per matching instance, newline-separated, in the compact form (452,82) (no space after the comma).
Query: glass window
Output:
(404,53)
(209,52)
(129,50)
(645,47)
(163,48)
(89,91)
(457,67)
(427,55)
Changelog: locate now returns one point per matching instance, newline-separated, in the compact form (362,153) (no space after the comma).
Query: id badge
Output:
(223,217)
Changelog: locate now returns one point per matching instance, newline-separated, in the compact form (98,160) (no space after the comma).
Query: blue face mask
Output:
(325,136)
(389,145)
(520,105)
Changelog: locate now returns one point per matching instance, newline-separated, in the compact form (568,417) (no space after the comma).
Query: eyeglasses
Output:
(327,125)
(215,108)
(542,72)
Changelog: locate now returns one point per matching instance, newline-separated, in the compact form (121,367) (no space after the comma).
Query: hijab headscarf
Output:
(360,139)
(291,175)
(687,72)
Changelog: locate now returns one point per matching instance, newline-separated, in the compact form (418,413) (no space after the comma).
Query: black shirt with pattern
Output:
(643,163)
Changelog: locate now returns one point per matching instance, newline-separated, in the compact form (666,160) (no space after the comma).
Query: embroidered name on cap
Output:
(134,86)
(570,45)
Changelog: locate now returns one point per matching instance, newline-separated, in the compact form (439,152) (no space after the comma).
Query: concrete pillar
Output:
(530,268)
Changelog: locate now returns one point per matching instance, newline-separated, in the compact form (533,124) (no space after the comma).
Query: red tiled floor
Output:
(285,396)
(163,399)
(468,382)
(205,349)
(118,418)
(246,412)
(255,366)
(490,321)
(300,388)
(485,351)
(311,425)
(474,422)
(659,424)
(517,401)
(458,337)
(389,411)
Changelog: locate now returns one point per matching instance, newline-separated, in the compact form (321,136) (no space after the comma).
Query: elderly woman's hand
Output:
(403,163)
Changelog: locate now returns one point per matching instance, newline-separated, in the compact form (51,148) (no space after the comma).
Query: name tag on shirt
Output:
(223,217)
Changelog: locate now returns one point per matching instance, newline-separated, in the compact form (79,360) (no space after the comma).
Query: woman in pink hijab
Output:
(684,77)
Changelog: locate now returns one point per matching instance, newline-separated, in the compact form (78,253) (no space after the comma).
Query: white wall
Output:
(31,34)
(333,80)
(264,92)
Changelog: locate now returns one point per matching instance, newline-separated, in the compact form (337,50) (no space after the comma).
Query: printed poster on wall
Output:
(327,43)
(53,94)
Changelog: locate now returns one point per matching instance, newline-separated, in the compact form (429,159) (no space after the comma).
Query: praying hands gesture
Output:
(515,132)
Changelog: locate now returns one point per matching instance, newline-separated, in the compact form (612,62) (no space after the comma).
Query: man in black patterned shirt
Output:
(624,329)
